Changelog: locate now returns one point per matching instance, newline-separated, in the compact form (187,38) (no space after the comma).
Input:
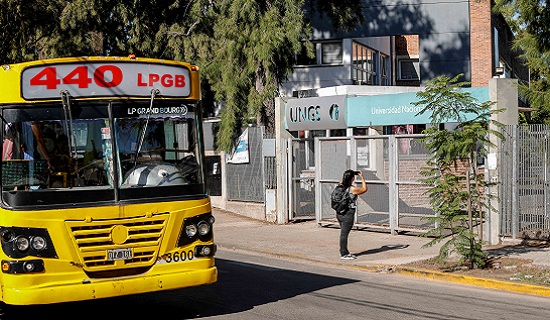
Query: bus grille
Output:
(94,240)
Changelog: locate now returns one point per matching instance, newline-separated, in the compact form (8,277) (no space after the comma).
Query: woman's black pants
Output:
(346,223)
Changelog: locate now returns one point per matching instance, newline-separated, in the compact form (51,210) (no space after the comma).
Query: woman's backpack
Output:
(340,199)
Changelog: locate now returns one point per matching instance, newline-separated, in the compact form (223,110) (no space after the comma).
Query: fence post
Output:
(504,92)
(282,144)
(515,211)
(393,168)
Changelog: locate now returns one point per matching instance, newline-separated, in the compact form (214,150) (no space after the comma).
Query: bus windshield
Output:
(156,147)
(107,151)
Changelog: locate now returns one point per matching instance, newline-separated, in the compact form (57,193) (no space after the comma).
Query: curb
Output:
(412,272)
(475,281)
(298,257)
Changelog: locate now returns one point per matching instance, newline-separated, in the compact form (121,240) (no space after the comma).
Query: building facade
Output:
(358,75)
(408,42)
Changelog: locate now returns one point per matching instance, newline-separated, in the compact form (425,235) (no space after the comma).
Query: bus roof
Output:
(92,78)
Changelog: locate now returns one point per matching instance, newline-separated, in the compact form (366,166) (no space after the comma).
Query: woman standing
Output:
(347,217)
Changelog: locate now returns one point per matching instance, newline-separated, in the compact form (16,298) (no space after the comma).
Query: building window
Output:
(303,59)
(317,133)
(331,53)
(409,69)
(364,66)
(371,67)
(360,131)
(338,133)
(384,70)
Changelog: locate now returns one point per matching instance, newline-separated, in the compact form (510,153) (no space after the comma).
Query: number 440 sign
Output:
(95,79)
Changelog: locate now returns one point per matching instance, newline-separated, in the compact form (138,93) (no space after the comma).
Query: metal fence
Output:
(391,166)
(249,181)
(302,178)
(270,160)
(245,181)
(525,180)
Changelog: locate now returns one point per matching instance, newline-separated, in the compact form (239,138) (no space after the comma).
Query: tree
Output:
(455,184)
(529,16)
(255,49)
(21,23)
(245,48)
(529,22)
(39,29)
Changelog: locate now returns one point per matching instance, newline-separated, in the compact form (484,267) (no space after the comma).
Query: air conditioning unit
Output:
(304,93)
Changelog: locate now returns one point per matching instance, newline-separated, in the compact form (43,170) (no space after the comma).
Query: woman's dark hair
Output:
(347,177)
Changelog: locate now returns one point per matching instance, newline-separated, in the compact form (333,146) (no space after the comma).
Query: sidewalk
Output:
(376,251)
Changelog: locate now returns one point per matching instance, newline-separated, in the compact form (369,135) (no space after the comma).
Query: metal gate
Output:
(525,182)
(301,183)
(395,199)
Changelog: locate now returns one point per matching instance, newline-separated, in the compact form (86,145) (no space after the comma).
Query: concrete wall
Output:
(443,28)
(248,209)
(504,92)
(321,76)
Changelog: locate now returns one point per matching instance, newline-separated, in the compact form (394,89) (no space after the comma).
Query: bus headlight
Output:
(191,230)
(20,242)
(205,251)
(196,228)
(204,228)
(18,267)
(211,219)
(28,266)
(38,243)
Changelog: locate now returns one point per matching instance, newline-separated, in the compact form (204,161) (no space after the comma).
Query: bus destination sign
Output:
(104,79)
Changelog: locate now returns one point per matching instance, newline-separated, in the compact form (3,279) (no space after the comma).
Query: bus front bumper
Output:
(90,289)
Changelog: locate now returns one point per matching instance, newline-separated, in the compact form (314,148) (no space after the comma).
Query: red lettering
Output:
(116,76)
(153,77)
(140,82)
(166,80)
(180,81)
(78,76)
(47,77)
(98,77)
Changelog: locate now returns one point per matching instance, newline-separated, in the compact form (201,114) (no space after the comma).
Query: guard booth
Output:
(306,118)
(357,130)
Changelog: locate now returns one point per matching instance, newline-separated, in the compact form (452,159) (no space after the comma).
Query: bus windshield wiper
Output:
(69,129)
(154,92)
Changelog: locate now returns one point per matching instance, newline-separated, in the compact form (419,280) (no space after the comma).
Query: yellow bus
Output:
(103,180)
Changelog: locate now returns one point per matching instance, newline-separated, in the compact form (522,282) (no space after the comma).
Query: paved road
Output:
(306,241)
(260,287)
(253,286)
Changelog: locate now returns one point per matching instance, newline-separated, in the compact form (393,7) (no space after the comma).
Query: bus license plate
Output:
(120,254)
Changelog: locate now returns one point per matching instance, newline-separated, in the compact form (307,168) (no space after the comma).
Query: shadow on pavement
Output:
(383,249)
(240,287)
(517,249)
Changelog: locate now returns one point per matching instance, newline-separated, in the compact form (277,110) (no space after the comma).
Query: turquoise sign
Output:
(394,109)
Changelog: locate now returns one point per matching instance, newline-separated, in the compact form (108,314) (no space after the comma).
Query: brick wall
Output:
(481,42)
(409,170)
(407,45)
